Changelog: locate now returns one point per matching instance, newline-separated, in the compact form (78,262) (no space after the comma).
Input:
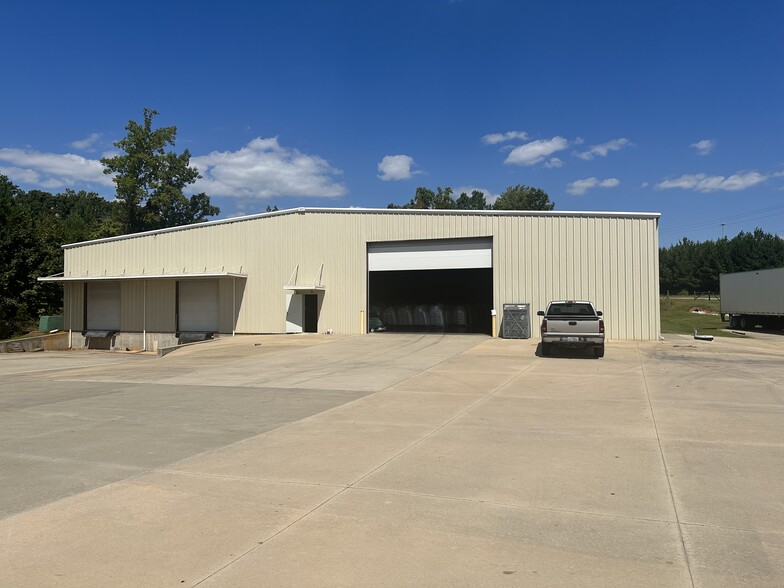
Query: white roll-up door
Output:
(198,306)
(431,255)
(103,306)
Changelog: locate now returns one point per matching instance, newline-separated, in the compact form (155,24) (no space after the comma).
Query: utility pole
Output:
(722,230)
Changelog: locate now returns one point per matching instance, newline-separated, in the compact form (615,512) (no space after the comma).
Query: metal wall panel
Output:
(610,259)
(160,307)
(73,306)
(132,305)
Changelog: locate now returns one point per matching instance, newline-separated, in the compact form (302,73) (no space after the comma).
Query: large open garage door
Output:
(443,285)
(197,302)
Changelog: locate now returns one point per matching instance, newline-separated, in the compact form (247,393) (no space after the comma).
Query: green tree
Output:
(33,226)
(689,266)
(476,201)
(426,199)
(22,253)
(523,197)
(150,180)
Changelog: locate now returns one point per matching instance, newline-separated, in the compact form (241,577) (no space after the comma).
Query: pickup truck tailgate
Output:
(573,325)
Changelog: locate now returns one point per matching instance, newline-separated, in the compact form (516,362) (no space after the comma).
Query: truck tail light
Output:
(601,326)
(544,326)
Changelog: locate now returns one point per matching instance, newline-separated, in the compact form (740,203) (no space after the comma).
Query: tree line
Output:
(519,197)
(691,266)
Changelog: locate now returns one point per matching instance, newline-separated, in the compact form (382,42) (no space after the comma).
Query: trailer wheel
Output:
(745,323)
(546,349)
(733,322)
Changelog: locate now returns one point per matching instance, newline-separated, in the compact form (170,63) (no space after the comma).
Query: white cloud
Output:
(494,138)
(86,142)
(51,170)
(261,169)
(490,197)
(396,167)
(536,151)
(603,149)
(265,169)
(705,183)
(704,147)
(580,187)
(554,162)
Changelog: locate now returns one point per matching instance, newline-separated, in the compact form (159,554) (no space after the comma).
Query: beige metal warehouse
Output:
(312,269)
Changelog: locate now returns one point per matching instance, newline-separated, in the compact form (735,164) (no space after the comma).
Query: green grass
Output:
(676,317)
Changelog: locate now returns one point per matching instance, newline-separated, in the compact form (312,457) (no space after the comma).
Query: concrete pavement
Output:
(395,460)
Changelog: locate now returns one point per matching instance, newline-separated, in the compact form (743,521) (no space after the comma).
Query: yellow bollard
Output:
(361,322)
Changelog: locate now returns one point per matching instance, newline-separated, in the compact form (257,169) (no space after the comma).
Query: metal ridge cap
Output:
(484,212)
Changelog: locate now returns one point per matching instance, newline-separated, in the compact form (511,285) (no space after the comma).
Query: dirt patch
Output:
(704,310)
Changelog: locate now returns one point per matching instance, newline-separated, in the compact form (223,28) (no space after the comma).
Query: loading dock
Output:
(102,306)
(197,306)
(440,285)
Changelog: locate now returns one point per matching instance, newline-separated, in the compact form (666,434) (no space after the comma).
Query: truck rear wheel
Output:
(546,349)
(598,351)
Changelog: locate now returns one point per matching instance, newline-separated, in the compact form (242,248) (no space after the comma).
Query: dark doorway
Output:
(311,313)
(450,301)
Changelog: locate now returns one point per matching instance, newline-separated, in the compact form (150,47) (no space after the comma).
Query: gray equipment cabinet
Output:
(516,321)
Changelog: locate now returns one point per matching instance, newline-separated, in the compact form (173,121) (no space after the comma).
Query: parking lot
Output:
(392,459)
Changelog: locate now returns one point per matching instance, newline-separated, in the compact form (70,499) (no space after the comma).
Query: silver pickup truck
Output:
(572,323)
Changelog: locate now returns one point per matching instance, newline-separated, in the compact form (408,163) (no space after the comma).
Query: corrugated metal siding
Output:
(608,259)
(73,306)
(161,305)
(131,305)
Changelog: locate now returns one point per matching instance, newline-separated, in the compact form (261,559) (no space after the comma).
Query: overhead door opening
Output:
(431,286)
(446,301)
(102,306)
(197,302)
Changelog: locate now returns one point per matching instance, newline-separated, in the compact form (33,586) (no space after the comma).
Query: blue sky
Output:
(667,106)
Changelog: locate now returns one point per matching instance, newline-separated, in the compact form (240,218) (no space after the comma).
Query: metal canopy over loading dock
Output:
(443,285)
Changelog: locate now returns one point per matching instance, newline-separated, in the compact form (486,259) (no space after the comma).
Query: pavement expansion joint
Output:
(734,529)
(524,507)
(193,474)
(49,458)
(442,425)
(685,551)
(267,539)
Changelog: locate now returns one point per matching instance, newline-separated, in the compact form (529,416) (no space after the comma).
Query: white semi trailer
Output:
(755,298)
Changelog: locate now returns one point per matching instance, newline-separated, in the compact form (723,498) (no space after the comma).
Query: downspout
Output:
(70,316)
(233,306)
(144,317)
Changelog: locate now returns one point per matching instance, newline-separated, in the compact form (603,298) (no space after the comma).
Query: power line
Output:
(729,220)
